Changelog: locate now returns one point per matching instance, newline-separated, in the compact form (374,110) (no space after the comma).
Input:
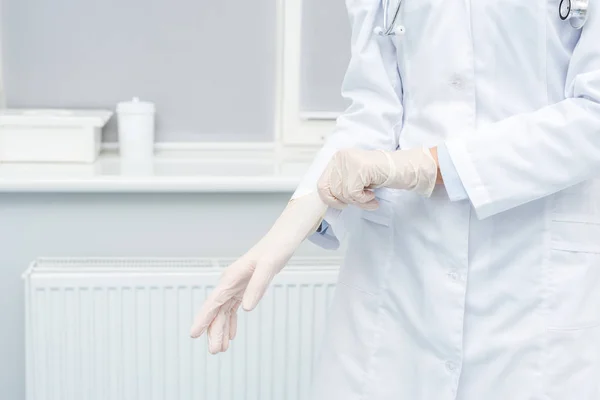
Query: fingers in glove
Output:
(202,321)
(219,330)
(361,195)
(208,313)
(330,200)
(216,331)
(226,330)
(260,281)
(325,192)
(367,201)
(338,188)
(346,198)
(370,205)
(342,190)
(233,320)
(232,283)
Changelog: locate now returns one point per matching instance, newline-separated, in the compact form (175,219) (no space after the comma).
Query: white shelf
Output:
(178,170)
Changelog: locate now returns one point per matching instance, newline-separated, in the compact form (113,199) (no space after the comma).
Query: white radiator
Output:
(118,329)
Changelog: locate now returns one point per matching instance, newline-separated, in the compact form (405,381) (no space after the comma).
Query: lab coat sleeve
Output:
(533,155)
(452,183)
(372,84)
(325,237)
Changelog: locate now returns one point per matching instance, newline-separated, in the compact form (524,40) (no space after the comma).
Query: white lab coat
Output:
(492,298)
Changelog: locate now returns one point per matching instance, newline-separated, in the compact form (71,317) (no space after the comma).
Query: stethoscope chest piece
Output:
(398,30)
(576,11)
(391,15)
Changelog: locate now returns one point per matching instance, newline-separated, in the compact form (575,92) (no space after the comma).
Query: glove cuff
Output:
(426,171)
(392,172)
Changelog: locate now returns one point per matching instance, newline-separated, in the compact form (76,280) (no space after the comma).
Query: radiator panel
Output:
(119,329)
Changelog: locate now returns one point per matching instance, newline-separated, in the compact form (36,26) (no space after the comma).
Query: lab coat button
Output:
(450,366)
(453,275)
(456,82)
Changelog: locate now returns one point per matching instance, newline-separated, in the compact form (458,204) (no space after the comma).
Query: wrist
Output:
(439,179)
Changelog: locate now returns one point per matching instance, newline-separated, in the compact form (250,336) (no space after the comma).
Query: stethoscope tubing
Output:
(578,17)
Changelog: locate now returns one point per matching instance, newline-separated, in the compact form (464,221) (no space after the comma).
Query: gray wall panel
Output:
(209,65)
(325,54)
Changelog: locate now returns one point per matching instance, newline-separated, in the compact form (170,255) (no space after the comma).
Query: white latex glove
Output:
(352,174)
(246,280)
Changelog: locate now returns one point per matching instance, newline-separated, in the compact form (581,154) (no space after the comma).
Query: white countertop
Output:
(170,171)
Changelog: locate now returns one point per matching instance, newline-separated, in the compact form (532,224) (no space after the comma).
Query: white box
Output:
(51,135)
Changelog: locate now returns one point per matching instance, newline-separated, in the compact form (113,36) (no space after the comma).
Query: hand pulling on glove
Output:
(246,280)
(352,174)
(349,179)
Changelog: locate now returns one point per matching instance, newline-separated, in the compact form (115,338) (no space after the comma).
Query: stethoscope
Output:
(392,27)
(576,11)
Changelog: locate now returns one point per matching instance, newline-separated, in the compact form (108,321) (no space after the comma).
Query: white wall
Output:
(115,225)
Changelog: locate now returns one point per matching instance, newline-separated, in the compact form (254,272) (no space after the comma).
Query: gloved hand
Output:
(246,280)
(352,174)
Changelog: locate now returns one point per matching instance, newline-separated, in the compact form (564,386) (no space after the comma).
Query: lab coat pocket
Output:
(574,274)
(376,217)
(572,364)
(369,250)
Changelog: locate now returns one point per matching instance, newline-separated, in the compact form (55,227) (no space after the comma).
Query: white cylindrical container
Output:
(136,129)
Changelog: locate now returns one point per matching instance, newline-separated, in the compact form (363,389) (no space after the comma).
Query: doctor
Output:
(480,278)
